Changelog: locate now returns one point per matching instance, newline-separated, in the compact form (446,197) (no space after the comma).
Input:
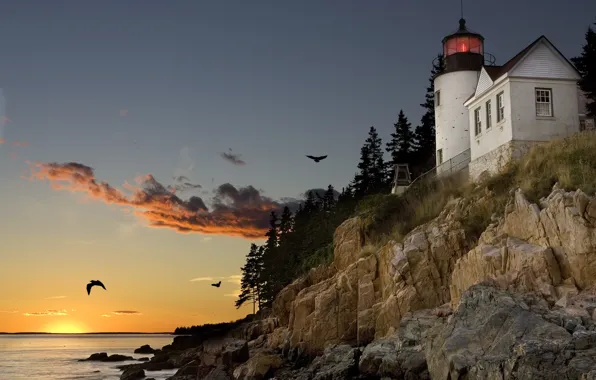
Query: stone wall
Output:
(495,160)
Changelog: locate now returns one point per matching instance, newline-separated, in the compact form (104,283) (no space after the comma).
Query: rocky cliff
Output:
(518,303)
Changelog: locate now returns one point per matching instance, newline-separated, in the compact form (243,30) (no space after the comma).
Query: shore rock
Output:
(145,349)
(103,357)
(133,374)
(495,334)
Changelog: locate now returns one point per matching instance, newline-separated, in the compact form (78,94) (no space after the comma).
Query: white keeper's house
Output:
(486,115)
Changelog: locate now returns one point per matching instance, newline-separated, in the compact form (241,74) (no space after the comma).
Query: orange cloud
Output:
(126,312)
(2,141)
(19,143)
(241,212)
(47,313)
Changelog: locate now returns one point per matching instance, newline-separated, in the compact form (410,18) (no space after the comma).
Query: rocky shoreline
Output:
(518,304)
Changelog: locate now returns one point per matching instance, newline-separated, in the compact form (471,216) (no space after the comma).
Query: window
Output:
(489,121)
(477,122)
(544,102)
(439,157)
(500,107)
(437,98)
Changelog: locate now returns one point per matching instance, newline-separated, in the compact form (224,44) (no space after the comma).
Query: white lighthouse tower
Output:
(463,55)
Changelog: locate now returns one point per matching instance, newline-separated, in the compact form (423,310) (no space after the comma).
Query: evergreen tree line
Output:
(299,241)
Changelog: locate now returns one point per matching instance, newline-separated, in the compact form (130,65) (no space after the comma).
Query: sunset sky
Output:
(108,105)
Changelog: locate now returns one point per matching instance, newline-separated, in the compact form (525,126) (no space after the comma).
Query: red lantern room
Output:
(463,50)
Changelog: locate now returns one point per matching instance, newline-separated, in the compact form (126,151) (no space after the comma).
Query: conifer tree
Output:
(402,144)
(251,277)
(586,65)
(425,132)
(329,198)
(269,275)
(372,176)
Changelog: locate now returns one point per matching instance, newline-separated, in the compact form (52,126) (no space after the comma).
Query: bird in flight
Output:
(217,285)
(317,159)
(92,284)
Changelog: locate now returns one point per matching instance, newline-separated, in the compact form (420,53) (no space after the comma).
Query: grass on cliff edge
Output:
(571,162)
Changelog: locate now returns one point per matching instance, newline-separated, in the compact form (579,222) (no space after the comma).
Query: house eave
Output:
(496,83)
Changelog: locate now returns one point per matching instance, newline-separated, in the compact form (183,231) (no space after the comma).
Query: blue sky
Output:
(271,80)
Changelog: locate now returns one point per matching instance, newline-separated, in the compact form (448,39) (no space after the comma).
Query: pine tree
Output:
(251,275)
(402,144)
(378,169)
(586,65)
(362,179)
(269,275)
(329,198)
(425,132)
(372,177)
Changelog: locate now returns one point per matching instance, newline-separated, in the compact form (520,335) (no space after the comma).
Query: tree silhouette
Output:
(402,144)
(250,284)
(425,132)
(586,65)
(372,177)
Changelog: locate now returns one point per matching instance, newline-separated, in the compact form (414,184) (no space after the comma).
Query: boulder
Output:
(144,349)
(495,334)
(132,374)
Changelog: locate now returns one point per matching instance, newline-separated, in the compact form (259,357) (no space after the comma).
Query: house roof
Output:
(496,72)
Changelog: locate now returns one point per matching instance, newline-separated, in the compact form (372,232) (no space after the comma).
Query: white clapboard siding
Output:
(484,82)
(543,62)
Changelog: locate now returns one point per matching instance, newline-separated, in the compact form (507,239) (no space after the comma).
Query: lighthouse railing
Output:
(447,168)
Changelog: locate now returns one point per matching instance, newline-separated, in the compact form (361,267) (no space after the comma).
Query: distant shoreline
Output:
(90,333)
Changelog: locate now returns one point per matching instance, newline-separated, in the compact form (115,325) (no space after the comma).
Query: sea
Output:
(55,356)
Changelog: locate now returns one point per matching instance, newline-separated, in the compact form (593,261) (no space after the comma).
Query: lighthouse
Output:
(463,59)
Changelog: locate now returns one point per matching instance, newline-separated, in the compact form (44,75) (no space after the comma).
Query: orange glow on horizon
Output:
(69,327)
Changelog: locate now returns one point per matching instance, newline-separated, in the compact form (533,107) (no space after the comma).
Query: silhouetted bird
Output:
(92,284)
(217,284)
(317,159)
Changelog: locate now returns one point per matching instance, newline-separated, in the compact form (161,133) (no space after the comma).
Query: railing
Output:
(454,165)
(489,60)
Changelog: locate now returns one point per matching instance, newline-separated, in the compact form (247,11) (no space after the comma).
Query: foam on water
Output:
(53,357)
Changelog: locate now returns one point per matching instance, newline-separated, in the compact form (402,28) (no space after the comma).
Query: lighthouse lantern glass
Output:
(462,44)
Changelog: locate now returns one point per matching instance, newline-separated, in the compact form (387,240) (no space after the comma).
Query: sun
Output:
(66,328)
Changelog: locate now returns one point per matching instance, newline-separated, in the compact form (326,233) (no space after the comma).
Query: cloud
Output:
(126,312)
(123,112)
(20,143)
(54,298)
(206,238)
(183,186)
(233,278)
(2,141)
(242,212)
(9,311)
(203,279)
(181,178)
(234,294)
(106,315)
(47,313)
(233,158)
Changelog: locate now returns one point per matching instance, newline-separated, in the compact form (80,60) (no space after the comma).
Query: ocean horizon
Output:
(46,356)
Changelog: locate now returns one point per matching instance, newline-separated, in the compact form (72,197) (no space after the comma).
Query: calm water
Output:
(45,357)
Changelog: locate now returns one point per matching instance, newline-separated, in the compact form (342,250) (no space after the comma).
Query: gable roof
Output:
(495,72)
(498,71)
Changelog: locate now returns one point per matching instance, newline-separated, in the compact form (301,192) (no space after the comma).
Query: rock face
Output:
(519,304)
(499,335)
(367,296)
(357,299)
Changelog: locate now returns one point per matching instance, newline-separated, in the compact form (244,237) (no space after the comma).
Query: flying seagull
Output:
(217,285)
(317,159)
(92,284)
